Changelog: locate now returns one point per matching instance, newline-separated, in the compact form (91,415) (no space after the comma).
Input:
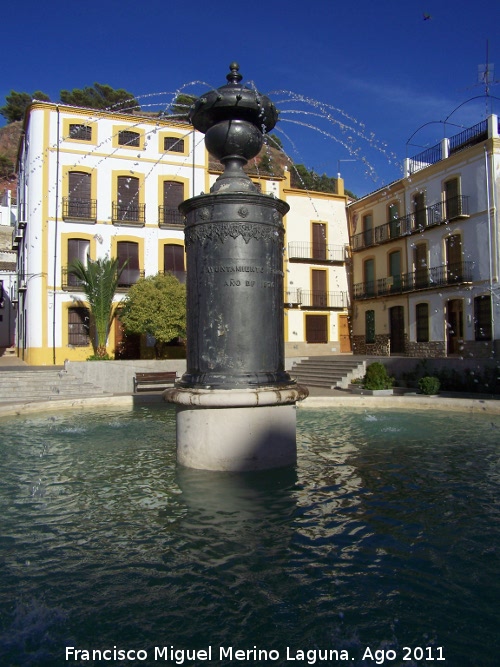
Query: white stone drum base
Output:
(240,430)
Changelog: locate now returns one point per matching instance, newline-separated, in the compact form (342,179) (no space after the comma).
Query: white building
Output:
(102,184)
(8,284)
(425,254)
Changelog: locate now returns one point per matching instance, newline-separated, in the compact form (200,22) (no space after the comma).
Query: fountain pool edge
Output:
(408,402)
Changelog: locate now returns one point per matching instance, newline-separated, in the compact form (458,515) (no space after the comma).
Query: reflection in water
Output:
(384,535)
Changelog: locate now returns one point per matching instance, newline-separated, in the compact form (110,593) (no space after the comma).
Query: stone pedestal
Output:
(236,430)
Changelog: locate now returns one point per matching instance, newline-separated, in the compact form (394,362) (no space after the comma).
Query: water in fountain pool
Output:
(384,536)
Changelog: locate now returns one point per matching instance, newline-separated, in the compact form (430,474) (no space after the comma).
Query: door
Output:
(128,256)
(127,346)
(78,249)
(79,205)
(454,326)
(319,240)
(397,329)
(420,262)
(344,334)
(316,329)
(128,199)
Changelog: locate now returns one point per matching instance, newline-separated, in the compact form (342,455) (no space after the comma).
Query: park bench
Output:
(154,381)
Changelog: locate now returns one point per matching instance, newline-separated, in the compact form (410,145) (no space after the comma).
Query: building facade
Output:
(94,184)
(425,254)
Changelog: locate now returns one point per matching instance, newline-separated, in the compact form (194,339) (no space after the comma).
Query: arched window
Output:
(173,260)
(128,256)
(173,195)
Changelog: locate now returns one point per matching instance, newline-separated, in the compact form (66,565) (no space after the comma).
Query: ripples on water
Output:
(385,535)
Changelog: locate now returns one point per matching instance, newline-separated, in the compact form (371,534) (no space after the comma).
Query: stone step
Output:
(327,372)
(43,384)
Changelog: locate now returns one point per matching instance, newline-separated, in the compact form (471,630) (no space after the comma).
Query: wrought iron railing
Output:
(425,158)
(129,213)
(317,299)
(469,137)
(321,252)
(129,277)
(420,279)
(413,223)
(75,208)
(170,217)
(69,281)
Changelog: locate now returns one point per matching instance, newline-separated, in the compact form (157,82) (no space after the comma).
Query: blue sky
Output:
(379,70)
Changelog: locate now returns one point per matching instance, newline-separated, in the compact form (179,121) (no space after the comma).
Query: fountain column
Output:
(235,403)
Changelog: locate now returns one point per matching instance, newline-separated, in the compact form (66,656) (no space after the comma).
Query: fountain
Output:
(235,381)
(383,537)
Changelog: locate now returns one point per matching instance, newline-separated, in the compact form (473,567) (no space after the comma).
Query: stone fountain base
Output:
(236,430)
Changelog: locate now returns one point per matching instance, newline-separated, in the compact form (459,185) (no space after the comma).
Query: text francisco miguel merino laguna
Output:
(179,656)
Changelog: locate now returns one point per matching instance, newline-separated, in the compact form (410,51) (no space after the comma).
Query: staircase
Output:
(23,384)
(329,372)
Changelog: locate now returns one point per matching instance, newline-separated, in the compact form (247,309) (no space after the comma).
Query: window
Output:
(419,209)
(454,265)
(482,317)
(78,204)
(369,277)
(395,270)
(129,138)
(78,327)
(420,263)
(422,319)
(173,195)
(78,249)
(128,256)
(368,229)
(80,132)
(370,326)
(128,207)
(393,216)
(316,329)
(452,199)
(173,144)
(318,240)
(173,260)
(319,294)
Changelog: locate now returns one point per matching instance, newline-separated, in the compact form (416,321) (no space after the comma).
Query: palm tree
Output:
(99,280)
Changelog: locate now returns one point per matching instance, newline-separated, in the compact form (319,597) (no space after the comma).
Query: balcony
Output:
(69,281)
(128,278)
(421,279)
(170,218)
(129,214)
(83,210)
(316,253)
(454,208)
(313,299)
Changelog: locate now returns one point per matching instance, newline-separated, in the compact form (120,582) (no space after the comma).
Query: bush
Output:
(429,385)
(377,378)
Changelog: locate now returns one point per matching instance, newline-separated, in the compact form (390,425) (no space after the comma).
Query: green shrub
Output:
(376,377)
(429,385)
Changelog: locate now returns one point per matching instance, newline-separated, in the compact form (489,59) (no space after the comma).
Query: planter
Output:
(356,389)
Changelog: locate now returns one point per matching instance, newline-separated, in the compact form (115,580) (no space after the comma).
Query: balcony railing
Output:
(469,137)
(69,281)
(129,277)
(421,279)
(170,217)
(316,252)
(413,223)
(129,213)
(180,275)
(317,299)
(79,209)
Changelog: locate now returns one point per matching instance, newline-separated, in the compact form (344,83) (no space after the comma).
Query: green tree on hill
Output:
(17,103)
(100,96)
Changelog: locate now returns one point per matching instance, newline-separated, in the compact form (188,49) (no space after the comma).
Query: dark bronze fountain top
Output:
(233,102)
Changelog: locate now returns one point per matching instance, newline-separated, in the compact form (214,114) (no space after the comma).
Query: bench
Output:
(154,381)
